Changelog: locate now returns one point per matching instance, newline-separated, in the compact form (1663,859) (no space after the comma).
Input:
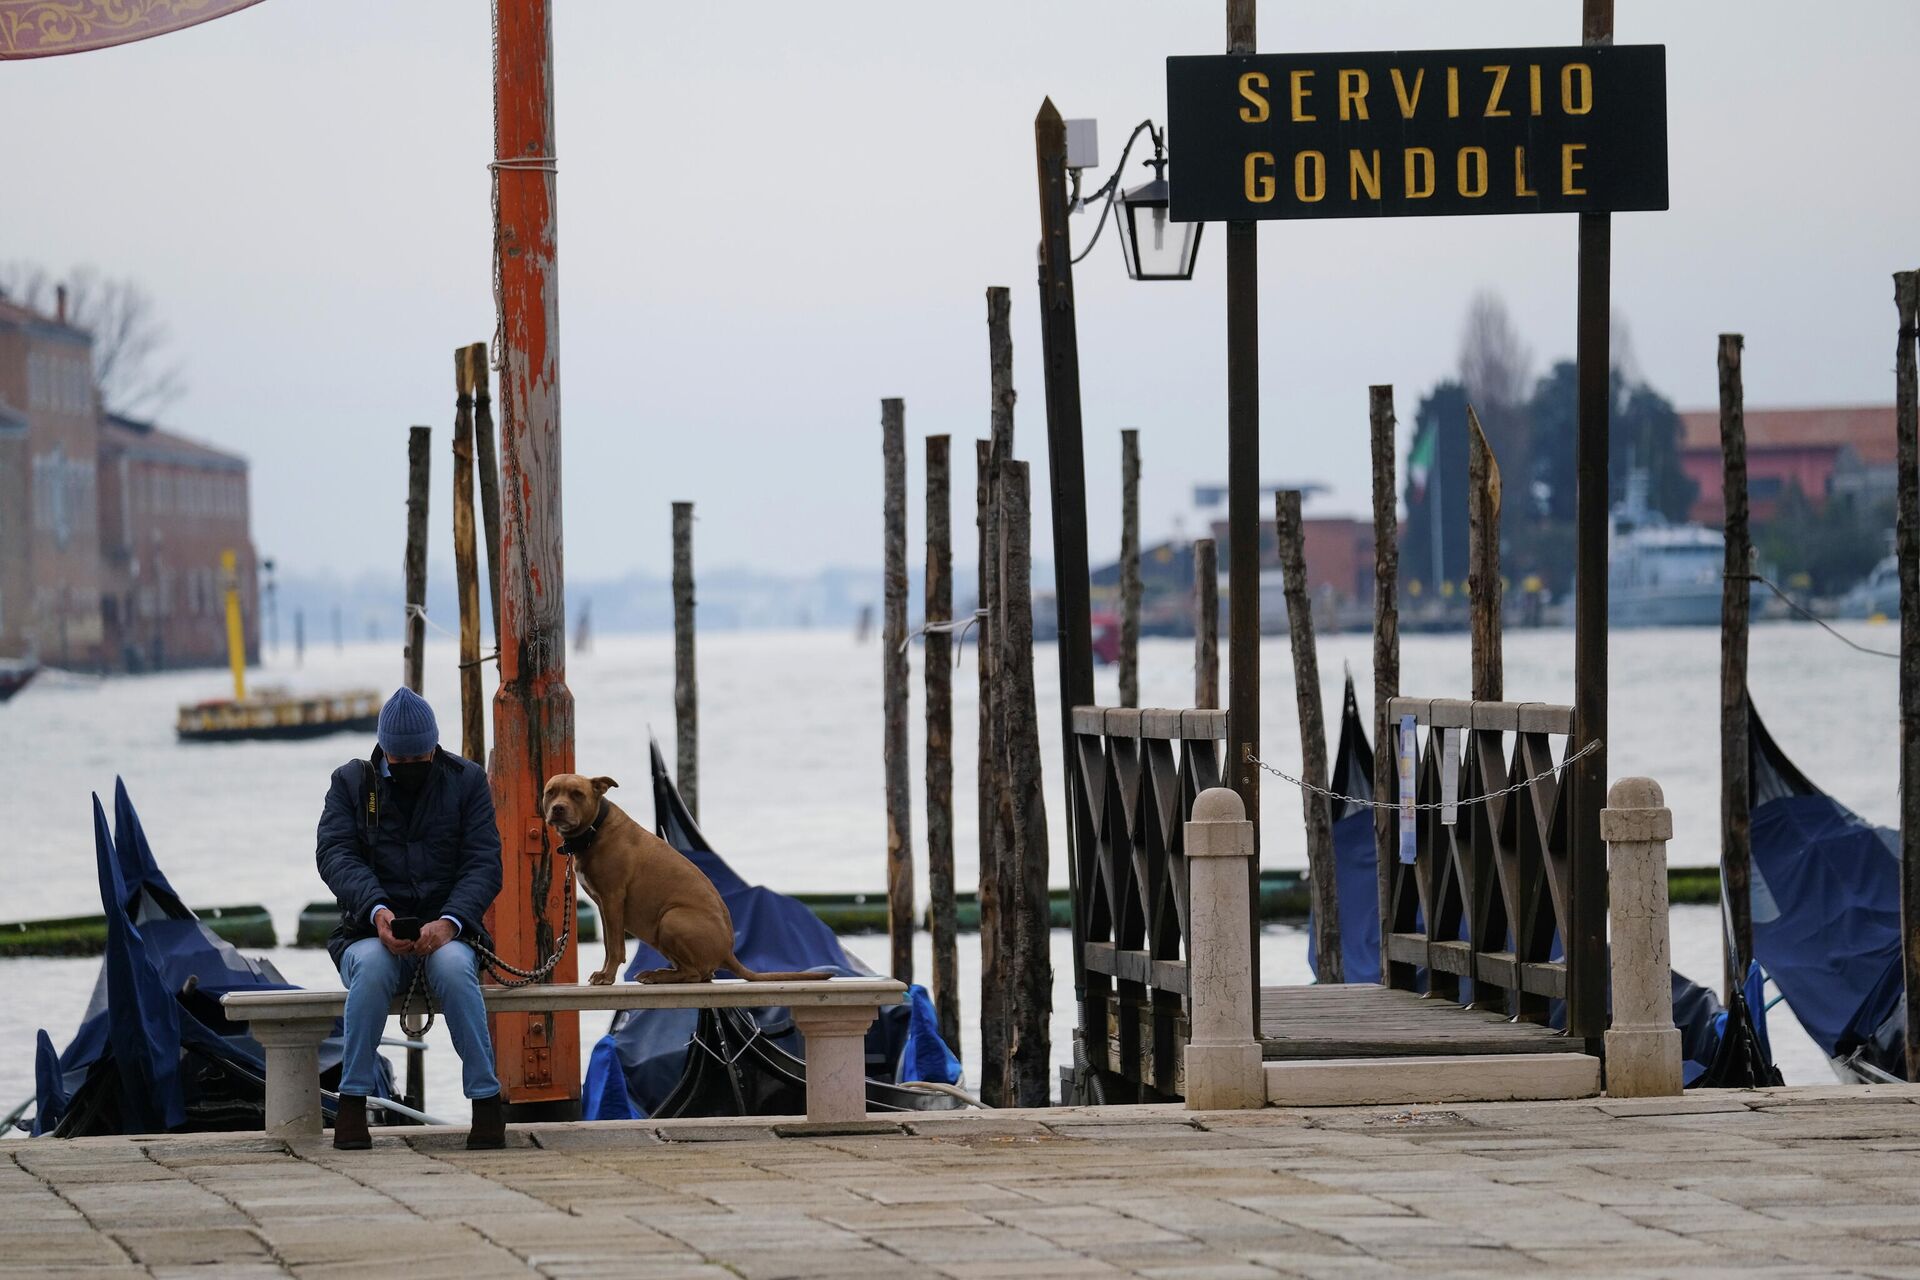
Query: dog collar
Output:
(582,839)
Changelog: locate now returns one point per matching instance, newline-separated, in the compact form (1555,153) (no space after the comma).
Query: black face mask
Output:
(410,775)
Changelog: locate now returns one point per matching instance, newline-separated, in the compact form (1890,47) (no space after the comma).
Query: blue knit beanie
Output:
(407,727)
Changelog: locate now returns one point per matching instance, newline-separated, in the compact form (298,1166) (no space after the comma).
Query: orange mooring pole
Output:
(538,1054)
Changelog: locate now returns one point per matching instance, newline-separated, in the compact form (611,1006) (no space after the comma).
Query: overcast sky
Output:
(774,214)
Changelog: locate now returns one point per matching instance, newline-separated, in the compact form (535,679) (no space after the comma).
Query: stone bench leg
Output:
(293,1073)
(836,1060)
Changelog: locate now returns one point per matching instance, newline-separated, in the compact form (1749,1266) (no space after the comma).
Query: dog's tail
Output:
(740,970)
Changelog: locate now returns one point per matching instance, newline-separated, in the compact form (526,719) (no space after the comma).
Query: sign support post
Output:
(1586,952)
(1243,508)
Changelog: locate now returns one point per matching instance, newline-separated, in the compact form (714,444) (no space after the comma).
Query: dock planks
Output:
(1366,1020)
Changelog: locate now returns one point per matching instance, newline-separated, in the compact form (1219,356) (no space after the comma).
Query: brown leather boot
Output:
(350,1124)
(489,1131)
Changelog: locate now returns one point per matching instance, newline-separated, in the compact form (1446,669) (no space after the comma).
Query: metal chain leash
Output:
(1395,805)
(505,974)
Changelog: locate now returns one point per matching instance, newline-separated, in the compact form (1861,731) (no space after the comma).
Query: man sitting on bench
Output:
(408,839)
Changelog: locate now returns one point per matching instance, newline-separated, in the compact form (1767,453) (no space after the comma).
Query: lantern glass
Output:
(1155,246)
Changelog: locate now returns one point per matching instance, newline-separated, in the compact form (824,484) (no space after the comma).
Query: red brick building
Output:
(110,530)
(169,508)
(1844,454)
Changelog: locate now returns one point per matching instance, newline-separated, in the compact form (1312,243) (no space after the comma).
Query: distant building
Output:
(110,530)
(1830,454)
(169,507)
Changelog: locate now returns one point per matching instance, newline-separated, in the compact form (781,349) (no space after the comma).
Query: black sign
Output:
(1452,131)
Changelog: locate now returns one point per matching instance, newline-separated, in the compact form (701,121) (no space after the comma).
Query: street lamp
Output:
(1153,246)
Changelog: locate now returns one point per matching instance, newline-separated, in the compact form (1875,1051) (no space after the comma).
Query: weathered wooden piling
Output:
(998,870)
(1736,835)
(1030,1008)
(1130,568)
(1906,297)
(938,660)
(1386,646)
(466,572)
(686,687)
(993,957)
(419,471)
(1323,874)
(489,464)
(1484,587)
(894,673)
(1206,623)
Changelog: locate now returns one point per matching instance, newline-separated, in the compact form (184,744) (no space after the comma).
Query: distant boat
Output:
(270,713)
(1661,574)
(664,1063)
(15,676)
(1875,596)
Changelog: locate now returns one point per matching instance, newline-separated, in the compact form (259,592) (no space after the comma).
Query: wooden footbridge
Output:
(1475,973)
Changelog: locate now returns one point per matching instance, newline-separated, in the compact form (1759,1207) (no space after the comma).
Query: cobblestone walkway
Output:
(1800,1182)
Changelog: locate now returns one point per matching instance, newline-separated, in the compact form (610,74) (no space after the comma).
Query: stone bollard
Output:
(1223,1071)
(1643,1045)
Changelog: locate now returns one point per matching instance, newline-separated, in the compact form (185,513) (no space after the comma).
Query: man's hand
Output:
(433,936)
(395,946)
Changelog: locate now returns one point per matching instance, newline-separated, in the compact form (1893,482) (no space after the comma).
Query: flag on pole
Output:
(1420,460)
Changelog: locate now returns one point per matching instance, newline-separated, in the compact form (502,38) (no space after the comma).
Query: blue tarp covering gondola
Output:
(661,1062)
(1826,911)
(154,1052)
(1353,851)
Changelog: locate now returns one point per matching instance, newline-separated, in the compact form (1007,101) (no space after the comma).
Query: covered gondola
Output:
(685,1062)
(1826,914)
(154,1052)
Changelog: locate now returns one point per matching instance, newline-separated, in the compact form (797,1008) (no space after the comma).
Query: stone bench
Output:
(833,1016)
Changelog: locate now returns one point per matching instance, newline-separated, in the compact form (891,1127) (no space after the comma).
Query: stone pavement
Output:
(1791,1182)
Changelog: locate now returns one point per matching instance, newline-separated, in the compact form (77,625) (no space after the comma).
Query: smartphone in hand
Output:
(405,928)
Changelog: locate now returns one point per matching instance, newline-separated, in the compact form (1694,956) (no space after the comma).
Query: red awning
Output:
(41,28)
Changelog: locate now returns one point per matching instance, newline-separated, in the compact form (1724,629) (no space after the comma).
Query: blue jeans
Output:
(375,978)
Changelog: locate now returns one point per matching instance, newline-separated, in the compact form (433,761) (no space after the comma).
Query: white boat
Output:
(1661,574)
(1875,596)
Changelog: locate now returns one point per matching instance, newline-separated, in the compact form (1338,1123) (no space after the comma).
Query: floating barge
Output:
(242,926)
(275,714)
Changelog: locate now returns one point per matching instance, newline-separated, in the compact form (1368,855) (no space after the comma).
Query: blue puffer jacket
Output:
(446,861)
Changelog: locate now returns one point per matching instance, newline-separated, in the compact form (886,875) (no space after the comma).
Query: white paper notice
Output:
(1408,744)
(1449,777)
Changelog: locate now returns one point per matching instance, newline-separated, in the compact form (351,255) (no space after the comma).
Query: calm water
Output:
(791,775)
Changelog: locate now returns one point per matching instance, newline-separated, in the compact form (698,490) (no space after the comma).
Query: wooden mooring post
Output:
(487,455)
(466,573)
(1130,568)
(1024,811)
(1736,818)
(1386,652)
(1484,588)
(938,659)
(997,891)
(686,685)
(1206,623)
(993,994)
(1906,298)
(894,673)
(419,473)
(1323,875)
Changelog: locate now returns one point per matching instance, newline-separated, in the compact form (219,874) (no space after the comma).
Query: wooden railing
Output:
(1136,775)
(1487,912)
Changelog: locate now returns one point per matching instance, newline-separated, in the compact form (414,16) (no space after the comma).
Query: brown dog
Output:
(644,886)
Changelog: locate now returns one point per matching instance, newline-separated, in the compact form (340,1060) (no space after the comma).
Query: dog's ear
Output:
(602,785)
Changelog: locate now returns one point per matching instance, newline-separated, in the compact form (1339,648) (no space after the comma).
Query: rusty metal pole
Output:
(537,1055)
(1243,510)
(1586,949)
